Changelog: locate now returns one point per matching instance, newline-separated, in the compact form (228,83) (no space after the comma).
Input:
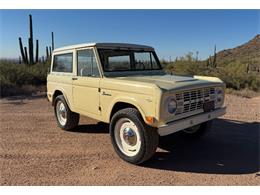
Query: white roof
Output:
(106,45)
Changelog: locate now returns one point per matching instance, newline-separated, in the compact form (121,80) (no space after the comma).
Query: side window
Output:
(87,64)
(121,62)
(145,60)
(63,63)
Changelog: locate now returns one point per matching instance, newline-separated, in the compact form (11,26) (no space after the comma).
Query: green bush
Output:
(234,73)
(13,76)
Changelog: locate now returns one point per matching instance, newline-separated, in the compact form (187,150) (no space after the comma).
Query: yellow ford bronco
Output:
(124,85)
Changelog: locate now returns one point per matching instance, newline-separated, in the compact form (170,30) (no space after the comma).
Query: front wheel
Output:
(66,119)
(132,139)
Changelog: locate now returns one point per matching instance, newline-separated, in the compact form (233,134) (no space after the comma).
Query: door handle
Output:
(74,78)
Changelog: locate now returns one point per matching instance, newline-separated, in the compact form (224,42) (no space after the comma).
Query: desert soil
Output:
(34,151)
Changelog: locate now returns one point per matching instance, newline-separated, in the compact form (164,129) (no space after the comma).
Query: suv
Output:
(124,85)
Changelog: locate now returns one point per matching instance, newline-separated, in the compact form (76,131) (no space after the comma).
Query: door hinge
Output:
(99,108)
(99,90)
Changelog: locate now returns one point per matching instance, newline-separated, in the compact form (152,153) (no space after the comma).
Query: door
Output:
(86,83)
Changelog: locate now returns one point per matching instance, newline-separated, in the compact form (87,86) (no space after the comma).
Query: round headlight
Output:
(220,95)
(172,105)
(219,91)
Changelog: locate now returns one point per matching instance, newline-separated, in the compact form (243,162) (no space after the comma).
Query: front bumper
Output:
(182,124)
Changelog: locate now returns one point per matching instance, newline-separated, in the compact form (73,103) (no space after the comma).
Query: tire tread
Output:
(150,134)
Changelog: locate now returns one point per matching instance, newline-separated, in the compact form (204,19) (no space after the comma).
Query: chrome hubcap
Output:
(127,137)
(61,113)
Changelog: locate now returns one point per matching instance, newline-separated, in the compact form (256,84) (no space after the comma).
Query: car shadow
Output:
(231,147)
(92,128)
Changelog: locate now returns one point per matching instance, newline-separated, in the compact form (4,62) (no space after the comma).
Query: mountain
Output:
(248,53)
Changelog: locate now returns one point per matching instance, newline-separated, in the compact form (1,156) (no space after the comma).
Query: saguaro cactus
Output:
(215,57)
(30,41)
(52,41)
(30,55)
(47,53)
(26,55)
(37,51)
(21,49)
(49,49)
(30,52)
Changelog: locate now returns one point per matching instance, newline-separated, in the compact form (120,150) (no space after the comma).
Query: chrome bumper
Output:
(181,124)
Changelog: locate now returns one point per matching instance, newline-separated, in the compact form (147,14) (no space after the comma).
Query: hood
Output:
(170,82)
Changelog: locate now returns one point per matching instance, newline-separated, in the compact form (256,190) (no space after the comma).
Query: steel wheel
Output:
(127,137)
(61,113)
(133,140)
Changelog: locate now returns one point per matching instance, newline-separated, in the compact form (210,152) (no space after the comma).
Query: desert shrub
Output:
(14,76)
(235,76)
(234,73)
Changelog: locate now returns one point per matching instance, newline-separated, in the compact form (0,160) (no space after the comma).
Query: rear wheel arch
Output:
(66,119)
(58,92)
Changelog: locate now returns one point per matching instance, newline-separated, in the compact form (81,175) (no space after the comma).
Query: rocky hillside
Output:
(248,53)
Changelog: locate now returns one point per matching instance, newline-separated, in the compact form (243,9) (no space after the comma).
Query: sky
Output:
(171,32)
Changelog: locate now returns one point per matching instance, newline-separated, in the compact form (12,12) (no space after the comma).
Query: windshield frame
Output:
(132,50)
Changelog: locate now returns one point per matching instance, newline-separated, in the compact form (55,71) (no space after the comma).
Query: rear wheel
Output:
(66,119)
(132,139)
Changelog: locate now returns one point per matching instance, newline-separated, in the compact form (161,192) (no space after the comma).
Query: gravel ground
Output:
(34,151)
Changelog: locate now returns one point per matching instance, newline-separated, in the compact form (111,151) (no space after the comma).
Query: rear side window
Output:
(63,63)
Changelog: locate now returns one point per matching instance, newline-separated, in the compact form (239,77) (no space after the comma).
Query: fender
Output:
(64,94)
(123,99)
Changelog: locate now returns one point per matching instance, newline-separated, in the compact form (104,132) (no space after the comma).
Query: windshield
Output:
(128,60)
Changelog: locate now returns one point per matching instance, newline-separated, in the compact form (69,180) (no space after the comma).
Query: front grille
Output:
(192,100)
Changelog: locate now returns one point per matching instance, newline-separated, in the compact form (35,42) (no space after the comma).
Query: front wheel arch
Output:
(120,105)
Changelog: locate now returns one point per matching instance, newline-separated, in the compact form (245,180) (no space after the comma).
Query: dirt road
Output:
(34,151)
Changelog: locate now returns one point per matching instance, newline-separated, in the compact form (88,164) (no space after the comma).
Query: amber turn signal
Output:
(149,119)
